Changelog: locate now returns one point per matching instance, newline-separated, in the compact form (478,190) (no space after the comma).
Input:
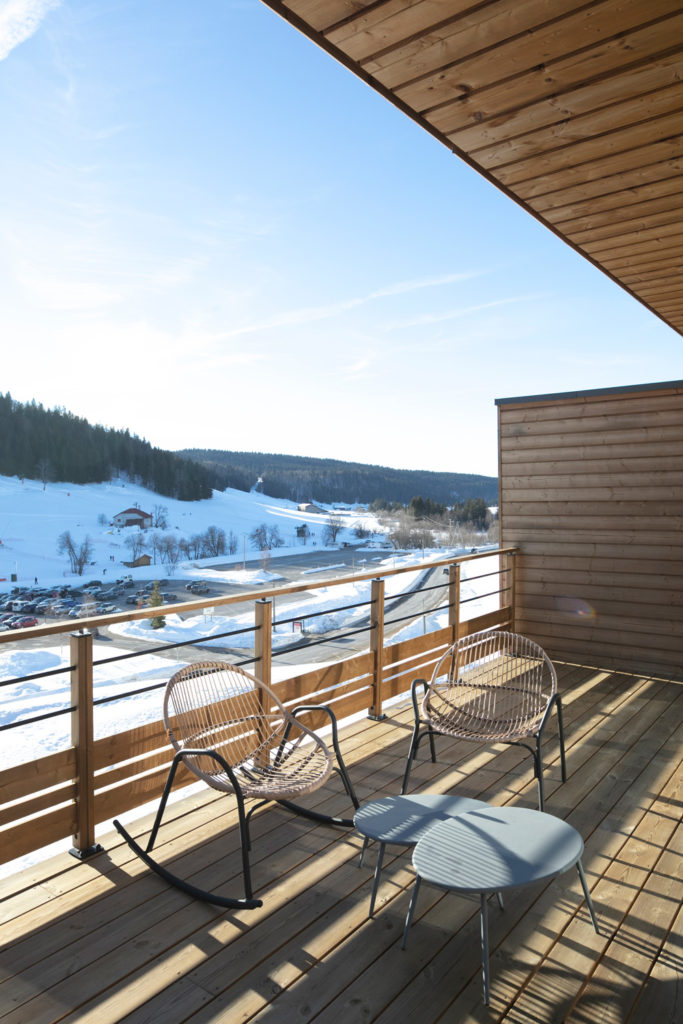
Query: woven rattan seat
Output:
(232,732)
(490,687)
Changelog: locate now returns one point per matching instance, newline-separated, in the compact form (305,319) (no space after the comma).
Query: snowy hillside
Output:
(33,516)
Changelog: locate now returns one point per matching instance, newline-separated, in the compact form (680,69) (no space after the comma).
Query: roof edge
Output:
(629,389)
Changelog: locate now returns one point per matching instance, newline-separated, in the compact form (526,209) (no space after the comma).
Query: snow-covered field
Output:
(33,516)
(31,519)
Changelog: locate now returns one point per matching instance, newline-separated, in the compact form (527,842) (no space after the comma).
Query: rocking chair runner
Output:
(233,733)
(492,687)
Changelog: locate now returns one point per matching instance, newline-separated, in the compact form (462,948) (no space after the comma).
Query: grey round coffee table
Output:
(491,849)
(403,820)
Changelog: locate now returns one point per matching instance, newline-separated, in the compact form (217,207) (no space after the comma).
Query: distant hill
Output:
(299,478)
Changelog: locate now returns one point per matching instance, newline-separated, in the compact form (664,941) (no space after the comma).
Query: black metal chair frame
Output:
(248,902)
(536,751)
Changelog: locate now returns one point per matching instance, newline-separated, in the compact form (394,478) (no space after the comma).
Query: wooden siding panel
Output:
(592,493)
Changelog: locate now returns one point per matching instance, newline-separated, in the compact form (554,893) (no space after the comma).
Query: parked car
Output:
(197,587)
(24,621)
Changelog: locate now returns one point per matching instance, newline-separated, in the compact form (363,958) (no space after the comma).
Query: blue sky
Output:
(216,236)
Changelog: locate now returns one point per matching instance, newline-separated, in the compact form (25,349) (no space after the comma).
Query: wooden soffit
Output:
(574,109)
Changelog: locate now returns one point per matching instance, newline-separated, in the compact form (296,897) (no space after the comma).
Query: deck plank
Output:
(107,941)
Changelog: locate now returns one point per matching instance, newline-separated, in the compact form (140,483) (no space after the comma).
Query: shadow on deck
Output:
(107,941)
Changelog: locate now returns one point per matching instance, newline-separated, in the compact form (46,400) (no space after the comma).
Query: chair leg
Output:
(229,902)
(375,880)
(340,768)
(162,803)
(414,743)
(411,911)
(484,916)
(538,771)
(560,730)
(418,736)
(538,759)
(587,894)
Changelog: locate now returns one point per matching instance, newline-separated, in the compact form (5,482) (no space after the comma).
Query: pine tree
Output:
(155,601)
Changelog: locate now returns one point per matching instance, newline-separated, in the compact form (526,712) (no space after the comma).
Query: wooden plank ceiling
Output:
(574,109)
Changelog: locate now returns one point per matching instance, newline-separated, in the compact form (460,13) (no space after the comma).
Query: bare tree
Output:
(274,538)
(332,529)
(214,541)
(66,546)
(78,554)
(196,545)
(135,542)
(170,551)
(232,543)
(44,470)
(160,517)
(259,537)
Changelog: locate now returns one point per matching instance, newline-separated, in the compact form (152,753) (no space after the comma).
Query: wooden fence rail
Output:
(70,792)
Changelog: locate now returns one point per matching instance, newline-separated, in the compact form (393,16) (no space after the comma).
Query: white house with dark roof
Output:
(132,517)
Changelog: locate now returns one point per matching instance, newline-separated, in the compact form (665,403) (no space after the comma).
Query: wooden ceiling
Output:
(574,109)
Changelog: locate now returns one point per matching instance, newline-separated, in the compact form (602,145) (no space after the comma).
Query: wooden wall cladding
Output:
(591,491)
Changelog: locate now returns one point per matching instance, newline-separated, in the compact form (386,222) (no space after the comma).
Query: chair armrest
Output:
(335,743)
(328,711)
(208,752)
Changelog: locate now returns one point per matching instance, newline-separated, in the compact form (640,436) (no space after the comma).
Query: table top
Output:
(404,819)
(494,848)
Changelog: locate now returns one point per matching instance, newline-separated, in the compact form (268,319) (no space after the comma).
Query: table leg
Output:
(375,882)
(484,945)
(411,908)
(587,894)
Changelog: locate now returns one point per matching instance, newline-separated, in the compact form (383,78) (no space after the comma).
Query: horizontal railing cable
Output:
(303,645)
(38,675)
(37,718)
(327,611)
(478,597)
(171,647)
(416,615)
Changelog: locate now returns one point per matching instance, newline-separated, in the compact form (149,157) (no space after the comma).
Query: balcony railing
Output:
(52,796)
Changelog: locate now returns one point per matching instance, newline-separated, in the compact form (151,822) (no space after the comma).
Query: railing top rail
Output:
(94,621)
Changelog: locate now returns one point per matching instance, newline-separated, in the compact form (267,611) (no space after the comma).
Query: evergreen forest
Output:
(52,444)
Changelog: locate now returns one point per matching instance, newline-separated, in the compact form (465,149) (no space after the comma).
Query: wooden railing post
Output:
(508,578)
(377,647)
(263,652)
(263,644)
(454,600)
(82,740)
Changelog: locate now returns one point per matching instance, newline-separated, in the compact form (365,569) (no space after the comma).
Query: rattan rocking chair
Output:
(493,687)
(232,732)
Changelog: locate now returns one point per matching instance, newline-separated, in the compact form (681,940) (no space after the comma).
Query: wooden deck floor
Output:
(107,941)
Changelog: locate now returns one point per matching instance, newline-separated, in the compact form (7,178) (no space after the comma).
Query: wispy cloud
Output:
(19,20)
(360,369)
(61,292)
(310,314)
(454,314)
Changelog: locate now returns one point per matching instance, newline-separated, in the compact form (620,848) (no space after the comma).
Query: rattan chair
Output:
(232,732)
(495,687)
